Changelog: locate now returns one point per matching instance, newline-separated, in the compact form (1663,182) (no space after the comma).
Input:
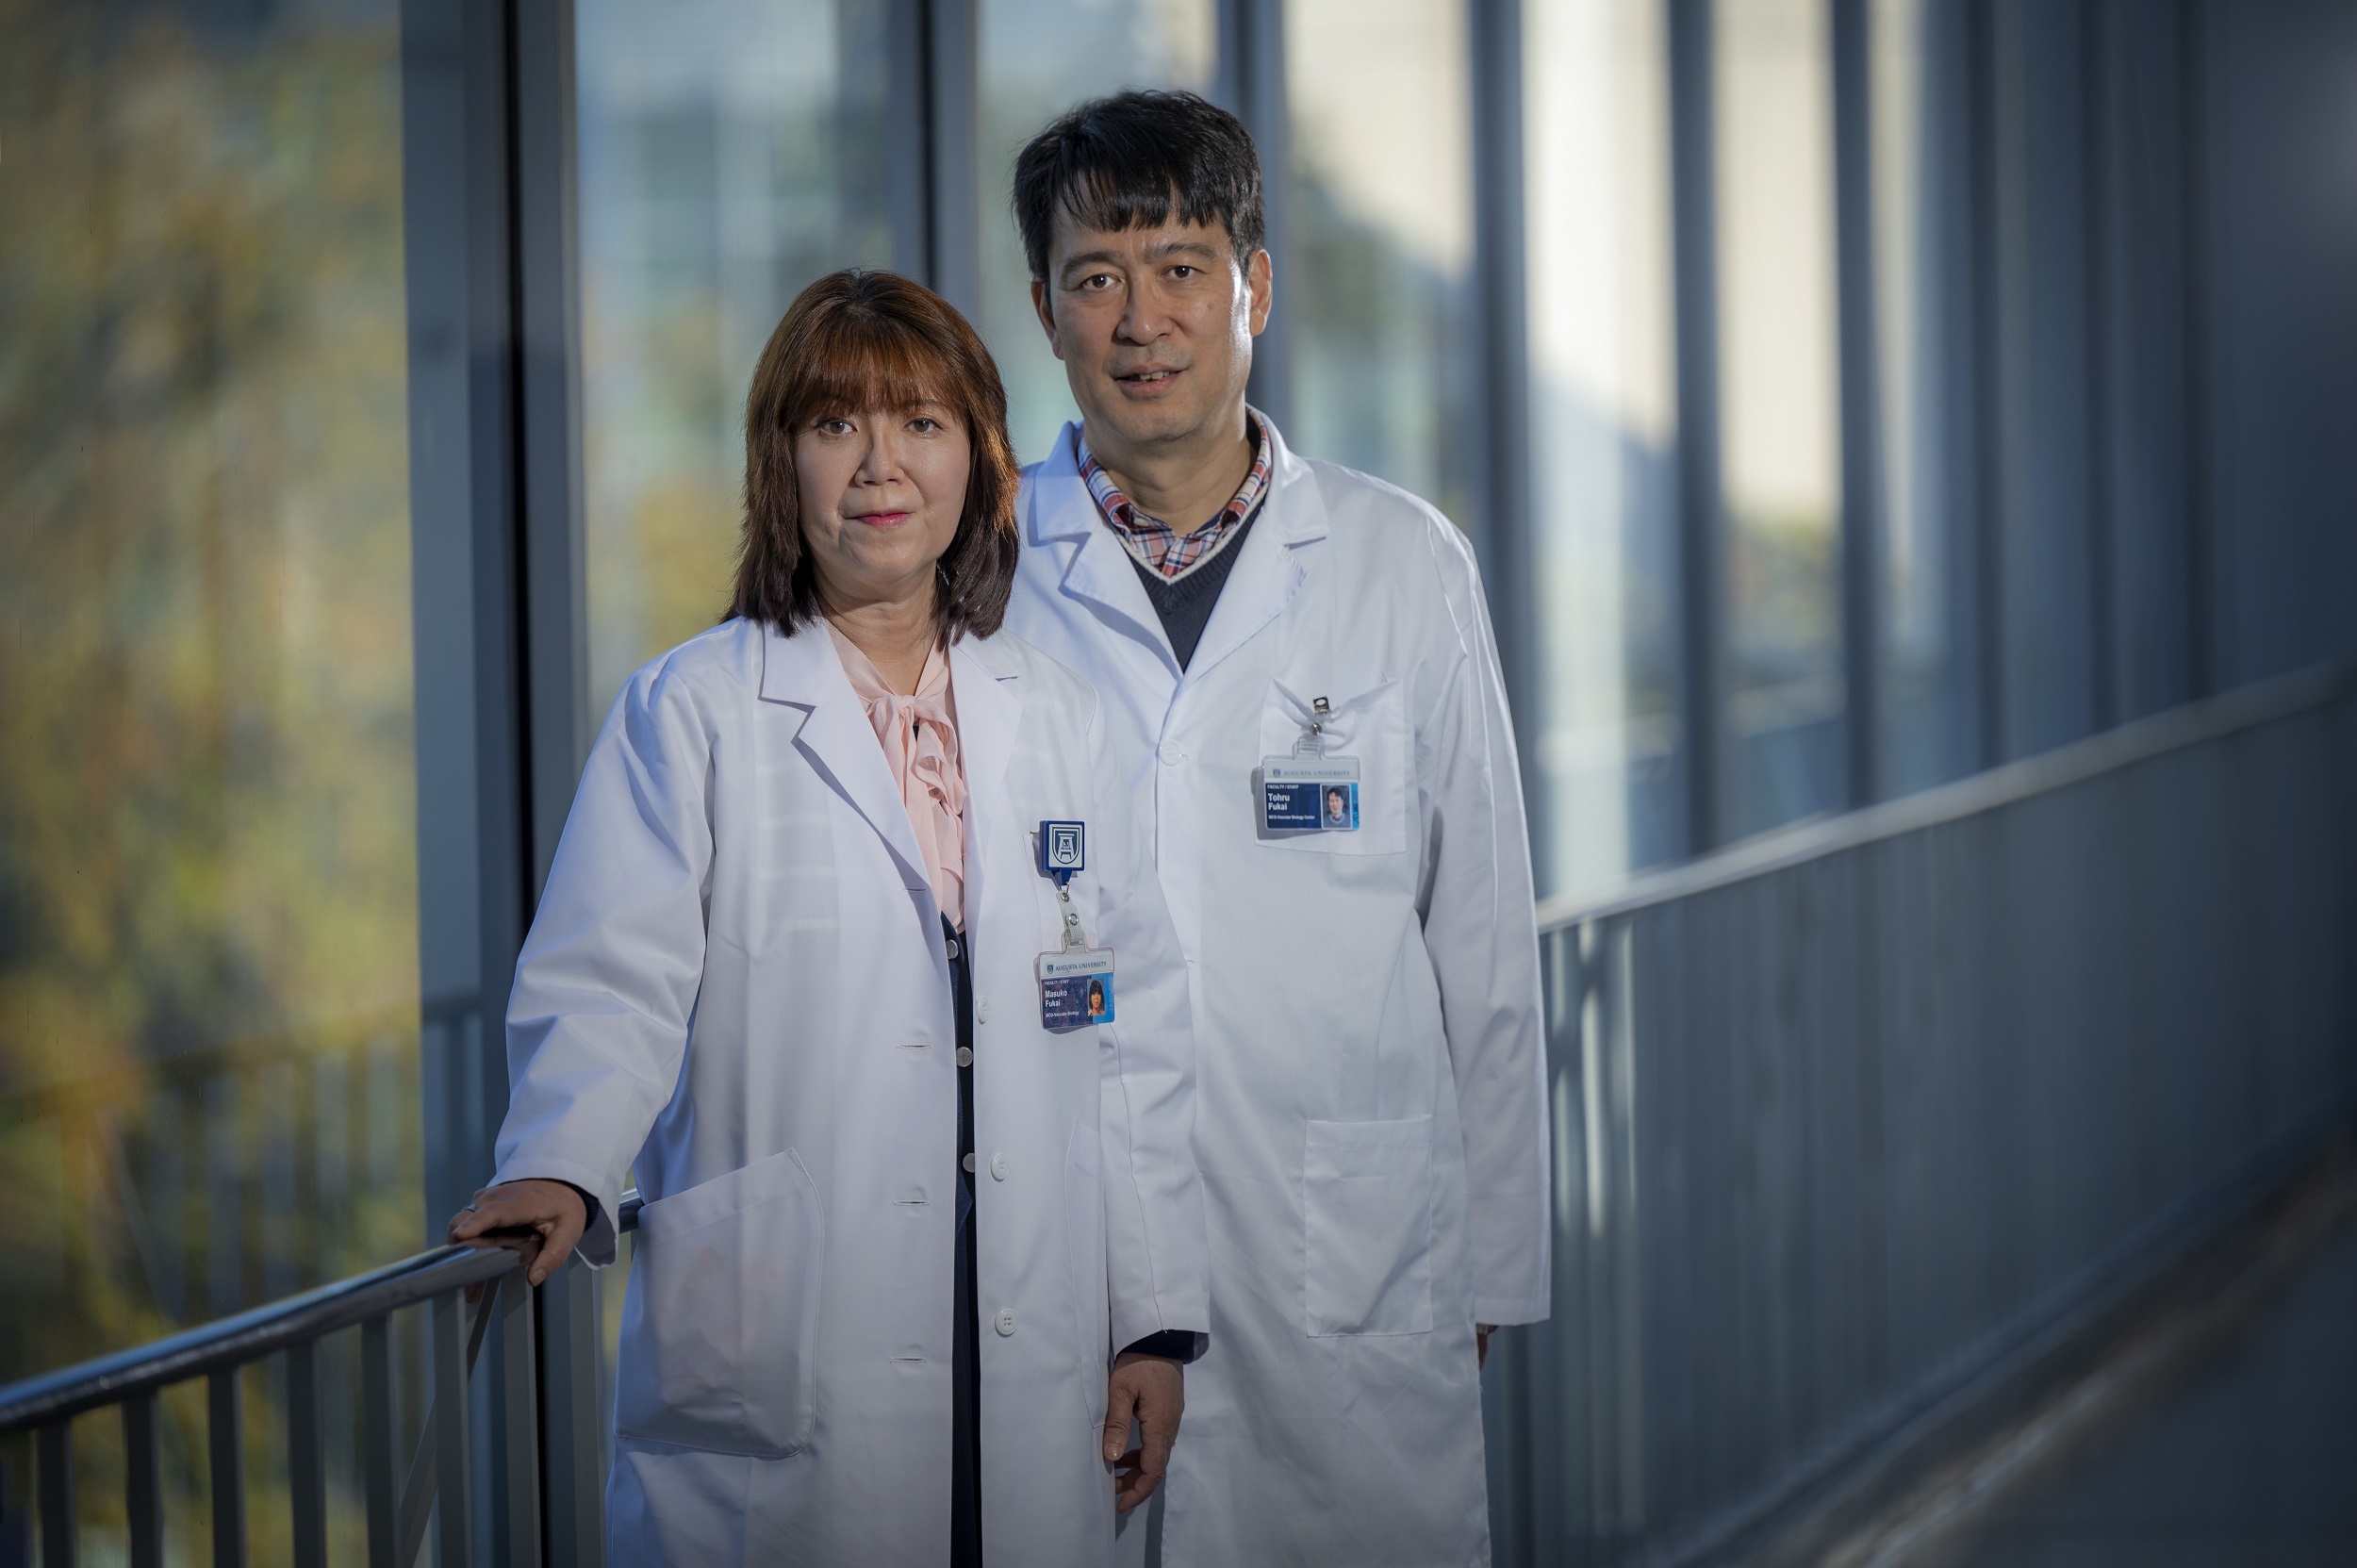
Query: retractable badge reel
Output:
(1076,980)
(1311,790)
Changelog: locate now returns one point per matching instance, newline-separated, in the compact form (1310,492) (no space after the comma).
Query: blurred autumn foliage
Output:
(208,973)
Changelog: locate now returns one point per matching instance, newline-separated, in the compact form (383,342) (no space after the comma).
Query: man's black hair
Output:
(1131,161)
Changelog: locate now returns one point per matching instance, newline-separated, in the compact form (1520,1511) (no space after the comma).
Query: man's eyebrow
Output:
(1181,247)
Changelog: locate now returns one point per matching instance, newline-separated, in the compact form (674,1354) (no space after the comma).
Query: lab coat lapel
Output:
(1096,571)
(803,671)
(989,715)
(1274,565)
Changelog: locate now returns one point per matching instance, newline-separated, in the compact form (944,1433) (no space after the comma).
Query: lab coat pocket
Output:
(1367,1228)
(1084,1251)
(720,1332)
(1370,727)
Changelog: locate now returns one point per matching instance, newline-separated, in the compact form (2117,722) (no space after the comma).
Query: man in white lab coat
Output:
(1303,692)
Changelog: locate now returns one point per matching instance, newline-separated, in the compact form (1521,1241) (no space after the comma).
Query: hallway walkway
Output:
(2250,1464)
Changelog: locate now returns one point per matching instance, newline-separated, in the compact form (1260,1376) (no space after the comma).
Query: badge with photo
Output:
(1309,795)
(1076,988)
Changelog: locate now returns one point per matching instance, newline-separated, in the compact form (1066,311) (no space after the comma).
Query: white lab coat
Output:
(736,982)
(1371,1119)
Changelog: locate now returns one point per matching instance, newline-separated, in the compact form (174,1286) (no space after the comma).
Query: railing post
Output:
(306,1465)
(573,1446)
(520,1416)
(376,1440)
(225,1445)
(457,1535)
(142,1482)
(55,1443)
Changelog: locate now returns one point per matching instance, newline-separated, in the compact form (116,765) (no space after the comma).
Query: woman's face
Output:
(881,494)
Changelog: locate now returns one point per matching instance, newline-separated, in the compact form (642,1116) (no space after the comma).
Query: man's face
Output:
(1154,325)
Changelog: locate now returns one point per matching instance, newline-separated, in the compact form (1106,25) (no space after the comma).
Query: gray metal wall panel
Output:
(2282,345)
(1844,1133)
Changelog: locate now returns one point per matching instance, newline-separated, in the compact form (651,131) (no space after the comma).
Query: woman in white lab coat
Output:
(896,1229)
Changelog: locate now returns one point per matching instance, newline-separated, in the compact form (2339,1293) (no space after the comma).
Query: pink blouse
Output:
(919,735)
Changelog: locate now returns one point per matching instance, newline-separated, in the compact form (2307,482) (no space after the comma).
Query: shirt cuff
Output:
(589,1207)
(1172,1344)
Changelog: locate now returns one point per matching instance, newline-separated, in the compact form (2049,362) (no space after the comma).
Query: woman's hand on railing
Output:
(544,1218)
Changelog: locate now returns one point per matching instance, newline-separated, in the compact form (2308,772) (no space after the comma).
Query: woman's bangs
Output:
(854,361)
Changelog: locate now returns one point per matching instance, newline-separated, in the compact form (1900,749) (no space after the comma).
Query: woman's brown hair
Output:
(854,341)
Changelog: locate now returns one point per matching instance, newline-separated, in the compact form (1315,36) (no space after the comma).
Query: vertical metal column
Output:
(1250,85)
(2100,235)
(1988,487)
(565,1416)
(473,854)
(908,141)
(952,120)
(1702,589)
(1503,535)
(499,572)
(2193,24)
(1857,298)
(547,311)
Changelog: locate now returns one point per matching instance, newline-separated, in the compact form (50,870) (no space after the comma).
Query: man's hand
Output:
(1153,1390)
(552,1212)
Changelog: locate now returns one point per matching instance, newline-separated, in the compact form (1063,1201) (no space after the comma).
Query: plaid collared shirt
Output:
(1159,547)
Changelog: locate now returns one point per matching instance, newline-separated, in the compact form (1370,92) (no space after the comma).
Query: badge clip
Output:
(1313,790)
(1076,983)
(1063,849)
(1313,742)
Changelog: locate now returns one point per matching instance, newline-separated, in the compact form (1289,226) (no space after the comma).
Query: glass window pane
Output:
(1603,409)
(208,908)
(1773,110)
(1039,57)
(1916,729)
(1374,296)
(729,154)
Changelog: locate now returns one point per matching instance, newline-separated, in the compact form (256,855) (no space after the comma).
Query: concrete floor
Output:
(2250,1464)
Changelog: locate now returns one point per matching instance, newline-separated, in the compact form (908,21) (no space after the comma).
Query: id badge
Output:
(1076,988)
(1310,795)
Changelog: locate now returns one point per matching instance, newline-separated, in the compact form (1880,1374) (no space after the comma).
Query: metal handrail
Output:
(398,1513)
(131,1379)
(1835,833)
(72,1391)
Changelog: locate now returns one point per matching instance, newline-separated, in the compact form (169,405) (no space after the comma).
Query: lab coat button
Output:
(969,1163)
(965,1057)
(999,1166)
(1172,757)
(981,1007)
(1005,1323)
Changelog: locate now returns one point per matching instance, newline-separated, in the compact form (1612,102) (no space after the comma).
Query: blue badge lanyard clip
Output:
(1061,852)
